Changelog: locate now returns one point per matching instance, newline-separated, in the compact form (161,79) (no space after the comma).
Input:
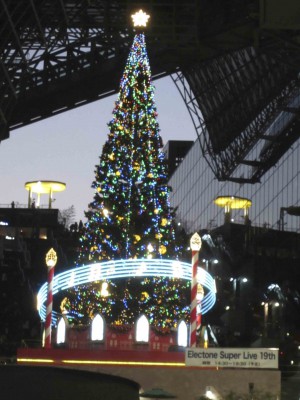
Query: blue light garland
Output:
(117,269)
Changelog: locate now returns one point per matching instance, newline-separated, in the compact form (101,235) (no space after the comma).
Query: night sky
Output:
(67,147)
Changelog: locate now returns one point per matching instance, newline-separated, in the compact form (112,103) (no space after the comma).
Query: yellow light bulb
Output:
(164,222)
(162,249)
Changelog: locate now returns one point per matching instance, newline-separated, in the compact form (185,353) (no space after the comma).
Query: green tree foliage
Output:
(130,216)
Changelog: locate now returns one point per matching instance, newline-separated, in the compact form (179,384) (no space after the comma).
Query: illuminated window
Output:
(142,329)
(97,328)
(61,331)
(182,334)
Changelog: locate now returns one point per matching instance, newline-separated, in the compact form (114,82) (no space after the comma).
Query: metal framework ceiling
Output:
(235,63)
(245,106)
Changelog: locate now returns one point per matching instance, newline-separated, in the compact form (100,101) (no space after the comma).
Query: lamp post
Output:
(51,259)
(195,246)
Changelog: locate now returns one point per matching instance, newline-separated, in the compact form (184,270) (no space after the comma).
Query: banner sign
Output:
(231,357)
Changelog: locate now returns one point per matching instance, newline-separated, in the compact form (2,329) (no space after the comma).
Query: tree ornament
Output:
(162,249)
(164,221)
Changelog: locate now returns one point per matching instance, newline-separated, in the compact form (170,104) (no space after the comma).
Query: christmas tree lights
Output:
(130,216)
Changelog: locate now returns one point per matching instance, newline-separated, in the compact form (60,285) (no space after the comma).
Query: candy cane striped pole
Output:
(51,260)
(195,246)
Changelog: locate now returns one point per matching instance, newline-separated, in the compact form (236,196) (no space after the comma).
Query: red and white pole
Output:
(51,260)
(195,246)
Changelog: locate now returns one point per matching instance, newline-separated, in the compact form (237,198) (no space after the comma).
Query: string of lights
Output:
(134,269)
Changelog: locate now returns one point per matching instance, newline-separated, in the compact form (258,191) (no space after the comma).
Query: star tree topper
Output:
(140,18)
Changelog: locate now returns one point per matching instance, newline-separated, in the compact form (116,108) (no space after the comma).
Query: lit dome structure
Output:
(43,187)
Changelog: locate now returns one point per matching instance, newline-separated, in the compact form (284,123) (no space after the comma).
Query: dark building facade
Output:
(255,261)
(26,235)
(194,188)
(175,151)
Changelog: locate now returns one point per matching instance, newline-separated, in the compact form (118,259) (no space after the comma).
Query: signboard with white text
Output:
(231,357)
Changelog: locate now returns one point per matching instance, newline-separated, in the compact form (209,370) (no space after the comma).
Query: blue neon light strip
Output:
(124,269)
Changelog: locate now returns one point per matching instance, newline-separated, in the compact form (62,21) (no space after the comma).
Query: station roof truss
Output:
(236,65)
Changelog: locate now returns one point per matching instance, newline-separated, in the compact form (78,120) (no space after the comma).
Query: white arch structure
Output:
(116,269)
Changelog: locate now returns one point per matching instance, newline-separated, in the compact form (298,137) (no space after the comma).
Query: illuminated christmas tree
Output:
(130,216)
